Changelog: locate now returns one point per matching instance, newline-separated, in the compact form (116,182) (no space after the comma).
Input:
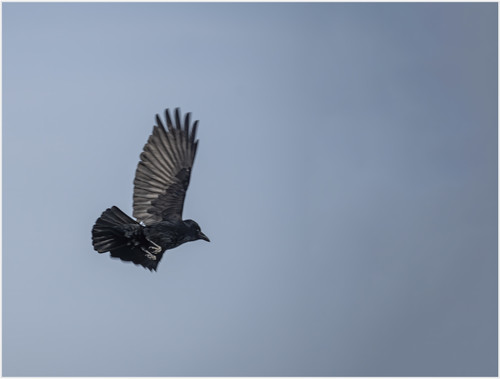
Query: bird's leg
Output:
(155,248)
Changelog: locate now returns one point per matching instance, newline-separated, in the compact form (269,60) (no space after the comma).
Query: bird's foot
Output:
(154,248)
(150,256)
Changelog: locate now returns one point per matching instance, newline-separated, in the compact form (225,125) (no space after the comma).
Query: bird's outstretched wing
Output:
(162,175)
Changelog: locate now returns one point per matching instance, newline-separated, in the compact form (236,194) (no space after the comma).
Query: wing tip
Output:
(178,124)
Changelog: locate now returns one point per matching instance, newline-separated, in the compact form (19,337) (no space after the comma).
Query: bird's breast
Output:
(163,234)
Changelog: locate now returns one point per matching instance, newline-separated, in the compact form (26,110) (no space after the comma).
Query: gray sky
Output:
(346,175)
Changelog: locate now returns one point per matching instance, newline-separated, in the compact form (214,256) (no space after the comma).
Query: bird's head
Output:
(194,231)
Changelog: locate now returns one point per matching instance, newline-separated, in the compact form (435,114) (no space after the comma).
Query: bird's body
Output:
(160,185)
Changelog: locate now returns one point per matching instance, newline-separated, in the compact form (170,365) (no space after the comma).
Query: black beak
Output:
(203,237)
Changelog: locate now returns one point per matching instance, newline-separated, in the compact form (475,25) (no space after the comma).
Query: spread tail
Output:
(123,237)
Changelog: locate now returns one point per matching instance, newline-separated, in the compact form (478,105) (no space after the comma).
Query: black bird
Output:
(160,184)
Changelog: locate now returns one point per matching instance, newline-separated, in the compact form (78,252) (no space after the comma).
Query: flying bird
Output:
(161,180)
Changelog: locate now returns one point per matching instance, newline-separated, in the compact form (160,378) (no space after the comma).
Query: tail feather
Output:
(114,216)
(123,237)
(107,233)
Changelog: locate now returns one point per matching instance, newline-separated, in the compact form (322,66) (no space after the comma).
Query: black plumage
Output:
(160,184)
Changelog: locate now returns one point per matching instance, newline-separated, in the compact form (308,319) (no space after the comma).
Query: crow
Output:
(161,180)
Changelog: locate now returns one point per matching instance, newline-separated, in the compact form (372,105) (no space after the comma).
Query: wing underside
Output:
(163,173)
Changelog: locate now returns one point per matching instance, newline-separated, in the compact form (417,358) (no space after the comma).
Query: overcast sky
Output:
(346,176)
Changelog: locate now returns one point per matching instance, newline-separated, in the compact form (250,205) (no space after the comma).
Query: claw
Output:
(150,256)
(155,249)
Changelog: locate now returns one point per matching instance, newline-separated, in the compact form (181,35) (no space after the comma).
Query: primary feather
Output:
(163,174)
